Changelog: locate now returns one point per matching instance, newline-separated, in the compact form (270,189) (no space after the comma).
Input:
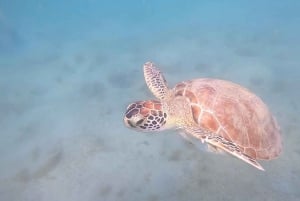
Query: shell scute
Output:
(209,122)
(196,111)
(190,95)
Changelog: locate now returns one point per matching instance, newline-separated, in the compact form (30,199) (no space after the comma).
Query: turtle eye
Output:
(134,121)
(139,122)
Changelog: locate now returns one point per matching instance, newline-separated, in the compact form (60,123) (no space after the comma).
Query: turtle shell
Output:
(233,112)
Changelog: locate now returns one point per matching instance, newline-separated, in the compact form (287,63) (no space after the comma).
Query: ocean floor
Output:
(61,119)
(63,138)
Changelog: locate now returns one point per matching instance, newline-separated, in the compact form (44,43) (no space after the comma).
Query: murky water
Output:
(69,69)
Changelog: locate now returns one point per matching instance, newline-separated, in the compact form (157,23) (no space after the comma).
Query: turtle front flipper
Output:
(218,142)
(155,80)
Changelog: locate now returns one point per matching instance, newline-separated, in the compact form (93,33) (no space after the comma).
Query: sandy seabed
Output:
(63,138)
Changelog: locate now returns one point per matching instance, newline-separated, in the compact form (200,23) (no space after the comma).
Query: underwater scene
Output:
(70,71)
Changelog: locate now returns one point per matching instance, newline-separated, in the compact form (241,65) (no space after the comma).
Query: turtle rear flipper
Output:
(221,144)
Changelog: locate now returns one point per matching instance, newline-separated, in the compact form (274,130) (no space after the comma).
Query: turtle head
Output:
(146,116)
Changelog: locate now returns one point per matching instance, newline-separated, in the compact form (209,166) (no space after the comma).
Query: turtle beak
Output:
(128,123)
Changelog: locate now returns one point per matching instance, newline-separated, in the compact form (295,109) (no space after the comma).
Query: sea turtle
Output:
(225,115)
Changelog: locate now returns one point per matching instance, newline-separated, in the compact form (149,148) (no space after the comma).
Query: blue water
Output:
(68,69)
